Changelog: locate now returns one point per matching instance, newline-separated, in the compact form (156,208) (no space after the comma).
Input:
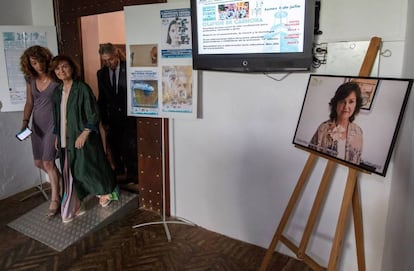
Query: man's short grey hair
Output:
(107,48)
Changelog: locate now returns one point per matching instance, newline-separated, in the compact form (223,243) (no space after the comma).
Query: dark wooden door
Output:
(149,137)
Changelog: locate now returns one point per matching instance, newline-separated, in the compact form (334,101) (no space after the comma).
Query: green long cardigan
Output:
(89,166)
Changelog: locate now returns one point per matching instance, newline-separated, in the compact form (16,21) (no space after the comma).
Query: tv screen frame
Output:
(370,137)
(277,60)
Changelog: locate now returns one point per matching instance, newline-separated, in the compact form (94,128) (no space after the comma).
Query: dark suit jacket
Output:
(112,106)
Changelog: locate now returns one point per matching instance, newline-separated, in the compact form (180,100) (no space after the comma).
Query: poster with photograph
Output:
(160,74)
(333,121)
(13,41)
(143,55)
(257,26)
(177,88)
(176,33)
(144,92)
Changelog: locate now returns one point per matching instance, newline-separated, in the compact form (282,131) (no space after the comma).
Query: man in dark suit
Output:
(121,129)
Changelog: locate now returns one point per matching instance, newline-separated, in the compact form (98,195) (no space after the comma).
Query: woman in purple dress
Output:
(34,63)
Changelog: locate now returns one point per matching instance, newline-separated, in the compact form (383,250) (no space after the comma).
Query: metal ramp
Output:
(58,235)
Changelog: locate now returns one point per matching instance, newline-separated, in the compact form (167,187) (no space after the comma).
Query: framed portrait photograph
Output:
(368,87)
(354,120)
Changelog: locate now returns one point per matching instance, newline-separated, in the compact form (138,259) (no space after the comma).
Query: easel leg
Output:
(342,219)
(327,176)
(310,163)
(358,227)
(351,196)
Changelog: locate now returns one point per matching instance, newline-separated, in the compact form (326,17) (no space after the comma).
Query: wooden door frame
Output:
(68,27)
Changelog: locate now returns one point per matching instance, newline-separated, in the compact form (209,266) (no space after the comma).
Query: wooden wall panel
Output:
(150,163)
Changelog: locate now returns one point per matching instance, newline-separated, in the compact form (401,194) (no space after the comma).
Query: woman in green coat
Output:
(84,165)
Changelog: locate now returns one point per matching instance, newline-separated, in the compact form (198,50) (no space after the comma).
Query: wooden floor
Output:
(118,246)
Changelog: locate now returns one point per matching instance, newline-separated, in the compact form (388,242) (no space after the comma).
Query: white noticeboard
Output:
(161,81)
(346,58)
(13,41)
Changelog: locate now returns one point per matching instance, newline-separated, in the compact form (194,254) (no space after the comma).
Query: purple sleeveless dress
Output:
(43,139)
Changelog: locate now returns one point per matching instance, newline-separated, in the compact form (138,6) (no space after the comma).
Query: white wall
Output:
(236,167)
(359,20)
(42,12)
(16,12)
(17,171)
(399,240)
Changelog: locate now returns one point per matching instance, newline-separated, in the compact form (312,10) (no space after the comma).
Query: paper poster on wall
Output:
(143,55)
(177,89)
(144,92)
(13,41)
(250,26)
(161,79)
(176,33)
(14,45)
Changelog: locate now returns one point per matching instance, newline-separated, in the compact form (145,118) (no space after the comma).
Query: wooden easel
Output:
(351,198)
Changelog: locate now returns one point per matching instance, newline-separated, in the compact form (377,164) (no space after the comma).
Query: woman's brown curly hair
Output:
(41,54)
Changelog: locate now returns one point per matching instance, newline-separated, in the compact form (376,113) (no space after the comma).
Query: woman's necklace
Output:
(42,83)
(342,131)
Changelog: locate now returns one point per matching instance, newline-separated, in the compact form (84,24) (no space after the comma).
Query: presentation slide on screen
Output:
(254,26)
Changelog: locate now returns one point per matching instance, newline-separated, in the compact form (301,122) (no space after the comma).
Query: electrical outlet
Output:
(320,52)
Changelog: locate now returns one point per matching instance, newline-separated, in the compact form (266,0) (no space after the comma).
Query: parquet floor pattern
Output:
(118,246)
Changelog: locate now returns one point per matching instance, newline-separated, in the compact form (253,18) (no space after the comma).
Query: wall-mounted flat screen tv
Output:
(354,120)
(252,35)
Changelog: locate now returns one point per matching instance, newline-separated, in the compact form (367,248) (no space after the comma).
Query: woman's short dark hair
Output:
(341,93)
(60,58)
(41,54)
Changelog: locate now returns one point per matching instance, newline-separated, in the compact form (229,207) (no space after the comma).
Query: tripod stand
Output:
(39,188)
(164,220)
